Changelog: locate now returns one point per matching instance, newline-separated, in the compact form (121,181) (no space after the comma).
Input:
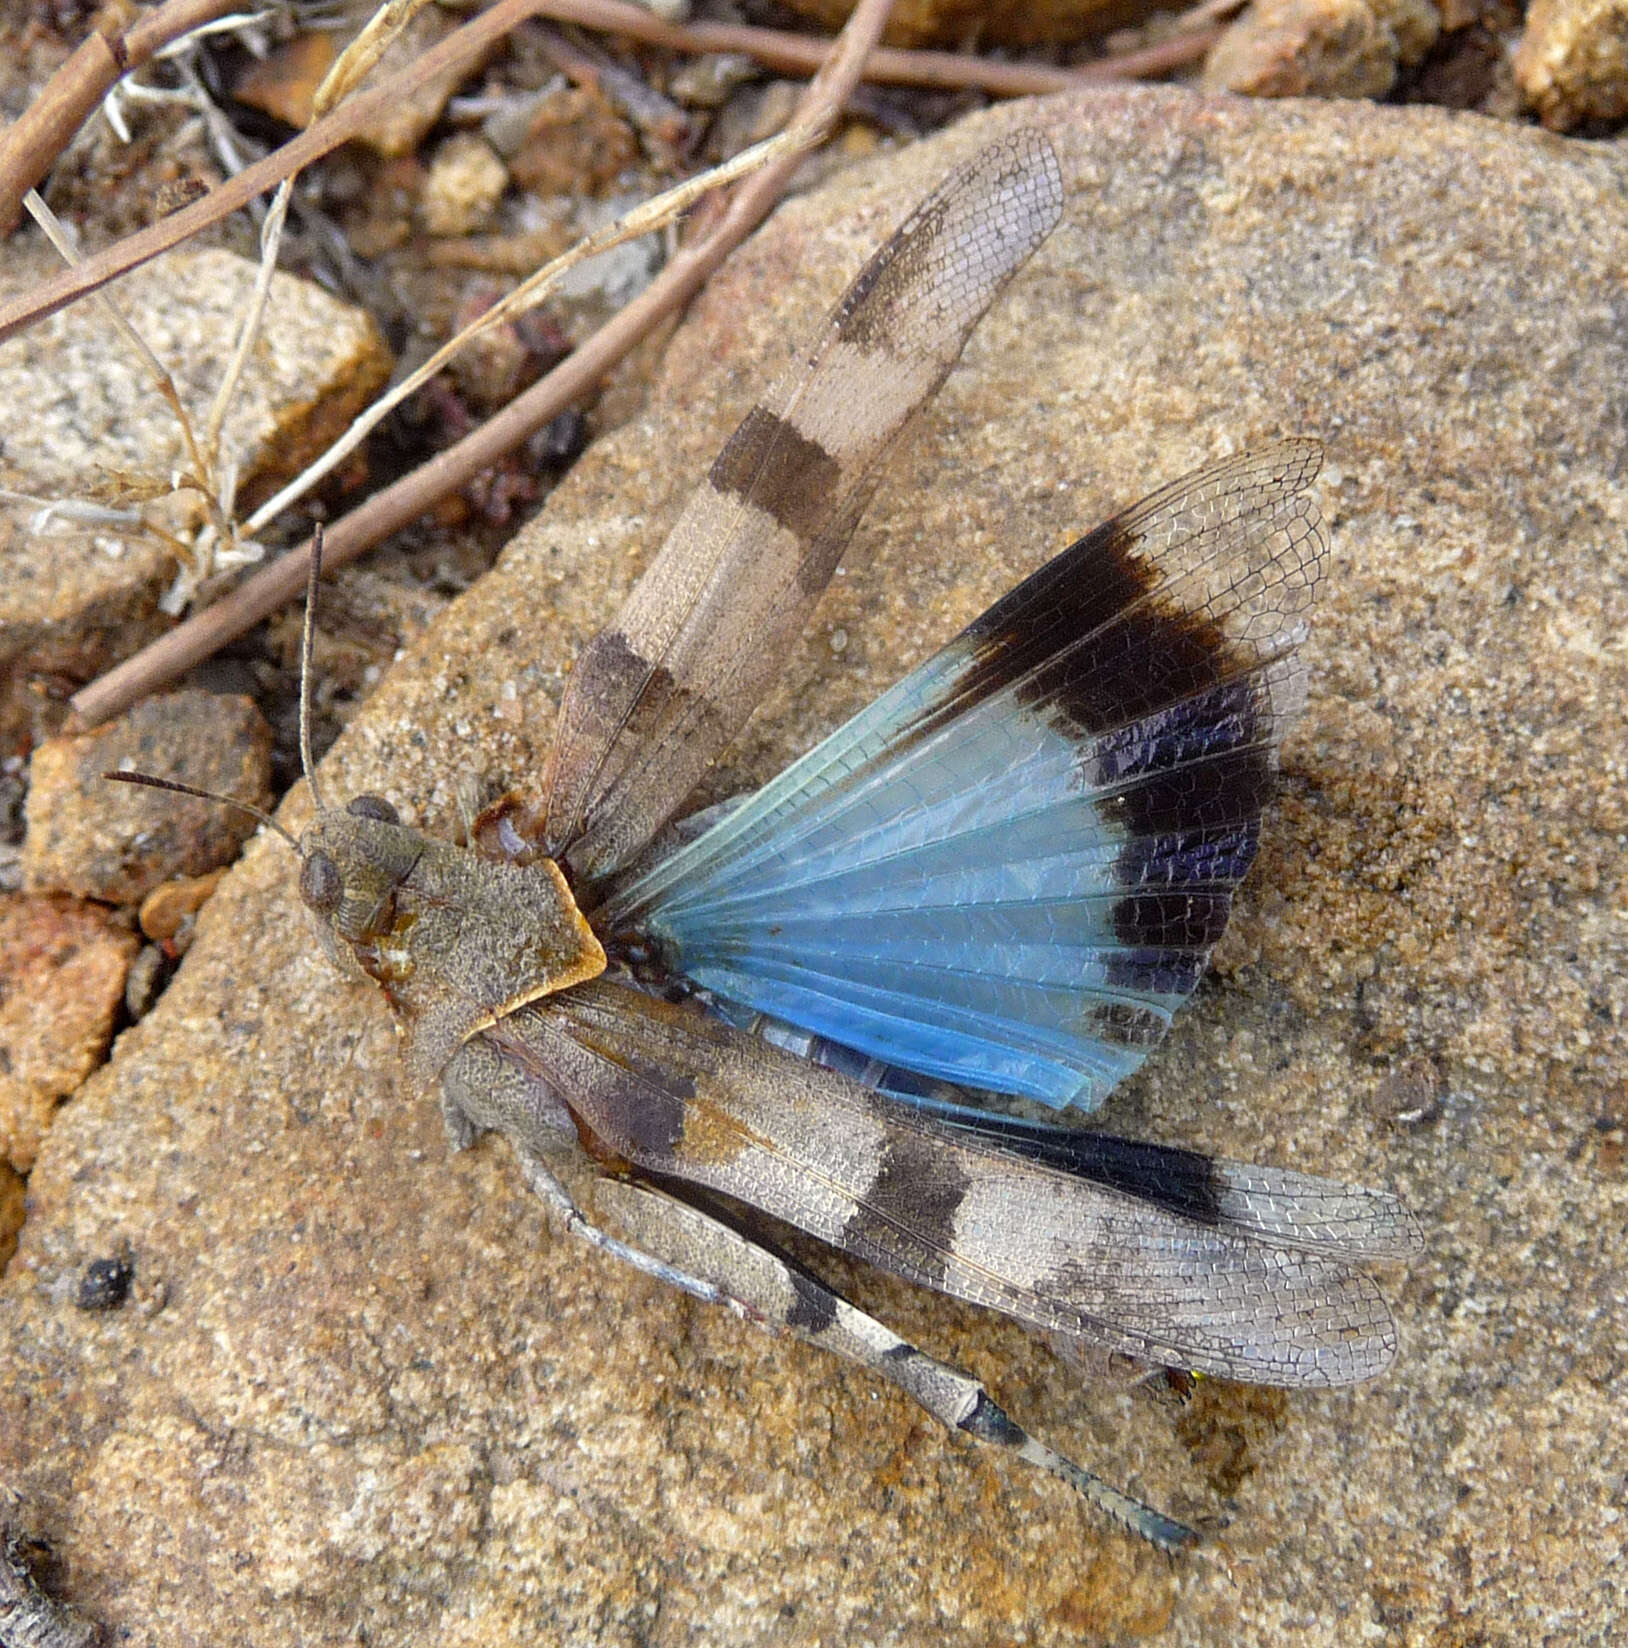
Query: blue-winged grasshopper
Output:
(996,884)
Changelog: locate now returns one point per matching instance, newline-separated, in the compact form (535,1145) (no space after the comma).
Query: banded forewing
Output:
(657,695)
(1171,1257)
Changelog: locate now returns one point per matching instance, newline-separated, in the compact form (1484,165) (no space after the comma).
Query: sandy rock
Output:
(73,602)
(97,428)
(382,1389)
(575,143)
(1321,48)
(465,182)
(62,967)
(81,593)
(116,842)
(1572,62)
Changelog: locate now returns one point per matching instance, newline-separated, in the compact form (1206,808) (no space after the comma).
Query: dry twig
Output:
(29,148)
(646,218)
(789,53)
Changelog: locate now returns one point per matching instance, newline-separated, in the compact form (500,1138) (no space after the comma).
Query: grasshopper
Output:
(821,1003)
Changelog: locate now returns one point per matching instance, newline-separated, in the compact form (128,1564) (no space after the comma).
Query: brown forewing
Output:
(658,694)
(681,1094)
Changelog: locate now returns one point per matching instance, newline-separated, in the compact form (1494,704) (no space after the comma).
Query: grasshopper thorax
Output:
(455,939)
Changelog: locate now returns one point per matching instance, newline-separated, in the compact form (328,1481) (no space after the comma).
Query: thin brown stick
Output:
(800,53)
(1149,62)
(393,508)
(463,46)
(29,148)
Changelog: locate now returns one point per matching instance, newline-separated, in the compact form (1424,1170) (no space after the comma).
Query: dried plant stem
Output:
(29,148)
(393,508)
(789,52)
(649,216)
(199,475)
(800,53)
(358,58)
(271,236)
(346,74)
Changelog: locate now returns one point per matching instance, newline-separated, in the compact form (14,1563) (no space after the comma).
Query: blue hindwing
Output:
(1009,871)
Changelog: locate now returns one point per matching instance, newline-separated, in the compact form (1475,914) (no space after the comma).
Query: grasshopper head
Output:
(349,871)
(456,940)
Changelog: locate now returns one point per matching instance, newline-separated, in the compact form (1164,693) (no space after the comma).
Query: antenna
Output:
(148,781)
(306,640)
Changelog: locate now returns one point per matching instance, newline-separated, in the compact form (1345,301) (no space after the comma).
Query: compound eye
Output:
(374,807)
(321,885)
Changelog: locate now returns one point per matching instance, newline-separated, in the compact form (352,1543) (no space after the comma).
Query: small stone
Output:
(462,187)
(495,366)
(400,129)
(1470,69)
(72,604)
(705,82)
(1572,62)
(13,1192)
(145,982)
(1410,1097)
(84,577)
(1321,48)
(755,111)
(116,842)
(13,793)
(62,970)
(284,82)
(167,907)
(97,428)
(562,439)
(105,1284)
(575,144)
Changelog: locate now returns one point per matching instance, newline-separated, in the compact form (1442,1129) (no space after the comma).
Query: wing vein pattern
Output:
(1253,1278)
(658,694)
(1009,871)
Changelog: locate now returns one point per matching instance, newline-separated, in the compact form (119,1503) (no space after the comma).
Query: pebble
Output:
(1321,48)
(116,842)
(461,190)
(1572,62)
(62,971)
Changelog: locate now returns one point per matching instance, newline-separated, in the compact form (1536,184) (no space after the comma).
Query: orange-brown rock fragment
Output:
(168,907)
(1321,48)
(11,1211)
(62,967)
(1572,62)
